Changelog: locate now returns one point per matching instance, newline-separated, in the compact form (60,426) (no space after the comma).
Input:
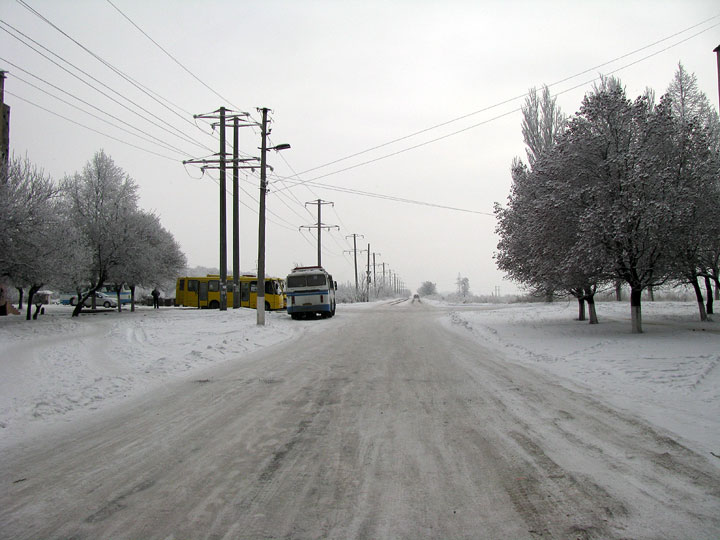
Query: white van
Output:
(310,291)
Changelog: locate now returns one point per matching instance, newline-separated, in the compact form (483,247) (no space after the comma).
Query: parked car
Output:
(101,299)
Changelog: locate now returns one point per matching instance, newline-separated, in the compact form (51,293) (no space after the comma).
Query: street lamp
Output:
(260,307)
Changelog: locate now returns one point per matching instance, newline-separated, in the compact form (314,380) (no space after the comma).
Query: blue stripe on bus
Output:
(309,293)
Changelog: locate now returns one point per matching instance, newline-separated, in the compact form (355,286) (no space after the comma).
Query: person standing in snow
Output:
(156,298)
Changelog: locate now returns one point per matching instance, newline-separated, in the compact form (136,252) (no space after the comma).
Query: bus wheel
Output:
(267,306)
(295,316)
(214,305)
(73,301)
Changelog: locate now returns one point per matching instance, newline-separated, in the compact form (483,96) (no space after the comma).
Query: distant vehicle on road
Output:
(310,292)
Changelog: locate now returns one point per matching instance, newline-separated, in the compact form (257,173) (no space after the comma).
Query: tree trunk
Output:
(581,308)
(618,291)
(590,298)
(651,294)
(549,295)
(117,293)
(132,298)
(709,291)
(20,298)
(717,289)
(700,300)
(80,303)
(636,310)
(31,293)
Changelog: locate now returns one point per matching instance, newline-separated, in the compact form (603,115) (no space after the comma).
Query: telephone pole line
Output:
(319,226)
(260,308)
(367,281)
(4,124)
(355,252)
(221,163)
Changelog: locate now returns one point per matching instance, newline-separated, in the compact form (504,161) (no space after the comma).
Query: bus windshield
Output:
(310,280)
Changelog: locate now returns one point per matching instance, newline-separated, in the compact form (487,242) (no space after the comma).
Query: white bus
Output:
(310,291)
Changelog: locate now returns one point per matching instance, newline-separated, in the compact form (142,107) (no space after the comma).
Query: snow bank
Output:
(58,368)
(669,375)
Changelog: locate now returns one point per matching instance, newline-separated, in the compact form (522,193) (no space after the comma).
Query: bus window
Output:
(316,280)
(244,291)
(270,287)
(253,286)
(192,285)
(296,281)
(214,285)
(182,284)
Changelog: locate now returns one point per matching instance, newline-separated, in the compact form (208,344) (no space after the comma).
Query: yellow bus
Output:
(204,292)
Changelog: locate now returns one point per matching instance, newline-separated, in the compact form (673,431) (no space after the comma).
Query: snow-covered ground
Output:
(58,369)
(668,375)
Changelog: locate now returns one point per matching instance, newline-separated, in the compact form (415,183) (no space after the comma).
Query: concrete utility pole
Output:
(236,215)
(355,252)
(223,215)
(261,224)
(221,164)
(375,282)
(716,50)
(4,123)
(367,281)
(319,226)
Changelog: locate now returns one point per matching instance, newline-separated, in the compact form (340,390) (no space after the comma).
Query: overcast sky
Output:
(341,78)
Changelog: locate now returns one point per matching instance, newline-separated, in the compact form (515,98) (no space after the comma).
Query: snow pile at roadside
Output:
(669,375)
(58,368)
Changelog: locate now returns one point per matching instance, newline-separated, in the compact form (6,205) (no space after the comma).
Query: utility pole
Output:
(374,265)
(319,226)
(236,215)
(223,215)
(355,252)
(221,164)
(716,50)
(4,124)
(260,308)
(367,281)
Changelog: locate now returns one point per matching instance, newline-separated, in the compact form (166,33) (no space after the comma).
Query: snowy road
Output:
(403,428)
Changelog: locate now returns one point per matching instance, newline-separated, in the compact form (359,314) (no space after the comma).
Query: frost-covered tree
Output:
(152,256)
(692,109)
(542,123)
(691,106)
(37,239)
(102,199)
(427,288)
(619,196)
(463,286)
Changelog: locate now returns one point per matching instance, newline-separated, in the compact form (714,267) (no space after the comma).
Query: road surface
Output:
(380,423)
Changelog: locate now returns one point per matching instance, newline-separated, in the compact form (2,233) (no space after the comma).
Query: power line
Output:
(396,199)
(183,137)
(171,56)
(117,71)
(510,100)
(89,128)
(150,138)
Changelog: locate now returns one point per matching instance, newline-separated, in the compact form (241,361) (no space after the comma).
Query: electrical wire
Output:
(150,138)
(112,68)
(504,102)
(172,57)
(89,128)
